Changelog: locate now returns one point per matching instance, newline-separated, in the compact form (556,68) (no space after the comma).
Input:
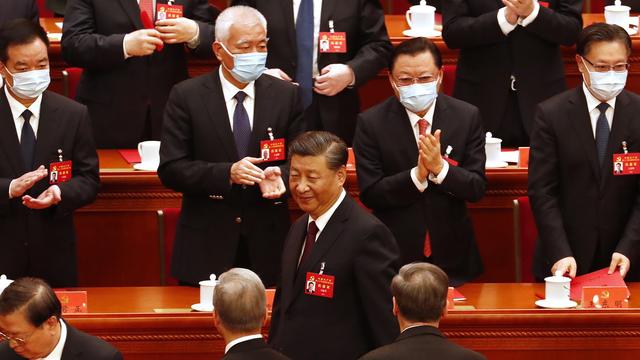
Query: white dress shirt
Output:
(16,112)
(239,340)
(323,219)
(317,11)
(594,113)
(229,91)
(506,27)
(414,118)
(56,354)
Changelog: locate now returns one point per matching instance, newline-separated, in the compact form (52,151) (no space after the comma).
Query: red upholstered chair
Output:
(167,221)
(448,79)
(70,80)
(43,11)
(525,234)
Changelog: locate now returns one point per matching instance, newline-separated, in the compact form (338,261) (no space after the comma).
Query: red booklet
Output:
(130,155)
(596,278)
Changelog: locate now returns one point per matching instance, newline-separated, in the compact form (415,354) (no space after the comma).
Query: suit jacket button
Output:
(244,187)
(238,220)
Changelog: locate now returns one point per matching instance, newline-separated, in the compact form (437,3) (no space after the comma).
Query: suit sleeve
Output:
(560,26)
(629,244)
(205,16)
(82,188)
(178,170)
(82,46)
(375,266)
(468,181)
(375,47)
(295,128)
(544,187)
(461,29)
(378,191)
(4,195)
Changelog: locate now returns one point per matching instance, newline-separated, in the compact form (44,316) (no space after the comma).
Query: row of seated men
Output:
(32,327)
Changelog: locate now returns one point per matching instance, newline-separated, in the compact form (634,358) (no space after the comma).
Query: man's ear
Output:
(395,306)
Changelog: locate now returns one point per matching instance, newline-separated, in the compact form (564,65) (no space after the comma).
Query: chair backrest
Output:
(167,221)
(43,10)
(71,78)
(525,234)
(448,78)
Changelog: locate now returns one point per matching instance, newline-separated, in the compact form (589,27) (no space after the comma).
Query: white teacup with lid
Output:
(617,14)
(207,289)
(492,149)
(421,19)
(557,291)
(4,282)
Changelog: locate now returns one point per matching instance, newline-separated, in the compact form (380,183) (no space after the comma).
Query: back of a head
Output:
(420,290)
(20,32)
(240,301)
(32,295)
(316,143)
(238,14)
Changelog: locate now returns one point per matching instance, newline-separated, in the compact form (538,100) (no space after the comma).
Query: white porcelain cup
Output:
(617,15)
(4,282)
(492,148)
(557,289)
(207,289)
(149,152)
(421,18)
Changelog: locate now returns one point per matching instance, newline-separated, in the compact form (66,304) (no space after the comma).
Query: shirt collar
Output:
(592,102)
(239,340)
(413,117)
(17,108)
(323,219)
(56,354)
(229,90)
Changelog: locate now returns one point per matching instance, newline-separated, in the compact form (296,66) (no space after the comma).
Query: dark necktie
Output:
(27,141)
(312,231)
(241,126)
(602,132)
(304,42)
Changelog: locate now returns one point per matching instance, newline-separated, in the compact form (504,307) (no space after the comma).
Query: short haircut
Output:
(601,32)
(415,46)
(32,295)
(316,143)
(20,32)
(236,14)
(240,300)
(420,290)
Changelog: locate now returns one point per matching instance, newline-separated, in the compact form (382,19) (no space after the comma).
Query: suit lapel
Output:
(290,258)
(326,14)
(401,130)
(70,349)
(439,122)
(620,123)
(48,132)
(213,101)
(287,10)
(579,115)
(9,138)
(262,118)
(133,12)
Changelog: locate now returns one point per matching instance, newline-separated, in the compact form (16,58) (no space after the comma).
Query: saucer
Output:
(146,167)
(496,164)
(632,31)
(415,33)
(202,307)
(556,305)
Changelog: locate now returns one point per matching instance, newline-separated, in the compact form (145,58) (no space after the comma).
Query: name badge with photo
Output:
(626,164)
(319,285)
(165,11)
(333,42)
(60,172)
(272,150)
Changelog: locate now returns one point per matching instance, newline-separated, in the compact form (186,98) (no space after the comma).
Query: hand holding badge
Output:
(174,28)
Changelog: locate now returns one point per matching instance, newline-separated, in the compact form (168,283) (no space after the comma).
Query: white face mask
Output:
(607,85)
(417,97)
(29,84)
(247,67)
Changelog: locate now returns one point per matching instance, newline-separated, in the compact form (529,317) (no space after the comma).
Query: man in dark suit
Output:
(234,213)
(419,302)
(240,311)
(328,80)
(16,9)
(39,130)
(350,255)
(420,157)
(510,57)
(588,218)
(31,327)
(129,69)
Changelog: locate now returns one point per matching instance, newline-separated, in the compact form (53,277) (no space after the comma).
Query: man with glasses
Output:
(588,216)
(31,327)
(420,156)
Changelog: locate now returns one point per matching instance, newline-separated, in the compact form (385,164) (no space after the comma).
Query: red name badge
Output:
(165,11)
(626,164)
(272,150)
(319,285)
(543,3)
(60,172)
(450,161)
(73,302)
(333,42)
(605,297)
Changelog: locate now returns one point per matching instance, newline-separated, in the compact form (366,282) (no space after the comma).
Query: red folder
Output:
(130,155)
(596,278)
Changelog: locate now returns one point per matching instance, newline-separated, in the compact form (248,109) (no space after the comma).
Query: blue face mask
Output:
(247,67)
(417,97)
(30,84)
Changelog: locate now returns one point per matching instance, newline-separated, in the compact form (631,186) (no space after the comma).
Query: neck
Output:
(25,102)
(404,323)
(333,202)
(56,338)
(227,75)
(229,337)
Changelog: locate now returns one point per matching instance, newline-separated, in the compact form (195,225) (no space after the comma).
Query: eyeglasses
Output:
(604,68)
(20,341)
(420,80)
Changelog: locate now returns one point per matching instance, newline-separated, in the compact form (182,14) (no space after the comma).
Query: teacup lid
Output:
(422,7)
(557,278)
(4,282)
(492,140)
(617,7)
(211,282)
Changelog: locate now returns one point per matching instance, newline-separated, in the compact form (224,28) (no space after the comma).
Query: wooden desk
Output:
(504,325)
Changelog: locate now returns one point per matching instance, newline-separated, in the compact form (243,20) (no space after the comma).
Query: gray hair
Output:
(420,290)
(240,300)
(316,143)
(237,14)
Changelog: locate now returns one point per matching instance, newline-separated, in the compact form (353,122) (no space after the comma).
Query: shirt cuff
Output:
(443,173)
(195,41)
(10,185)
(124,48)
(421,186)
(529,19)
(504,24)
